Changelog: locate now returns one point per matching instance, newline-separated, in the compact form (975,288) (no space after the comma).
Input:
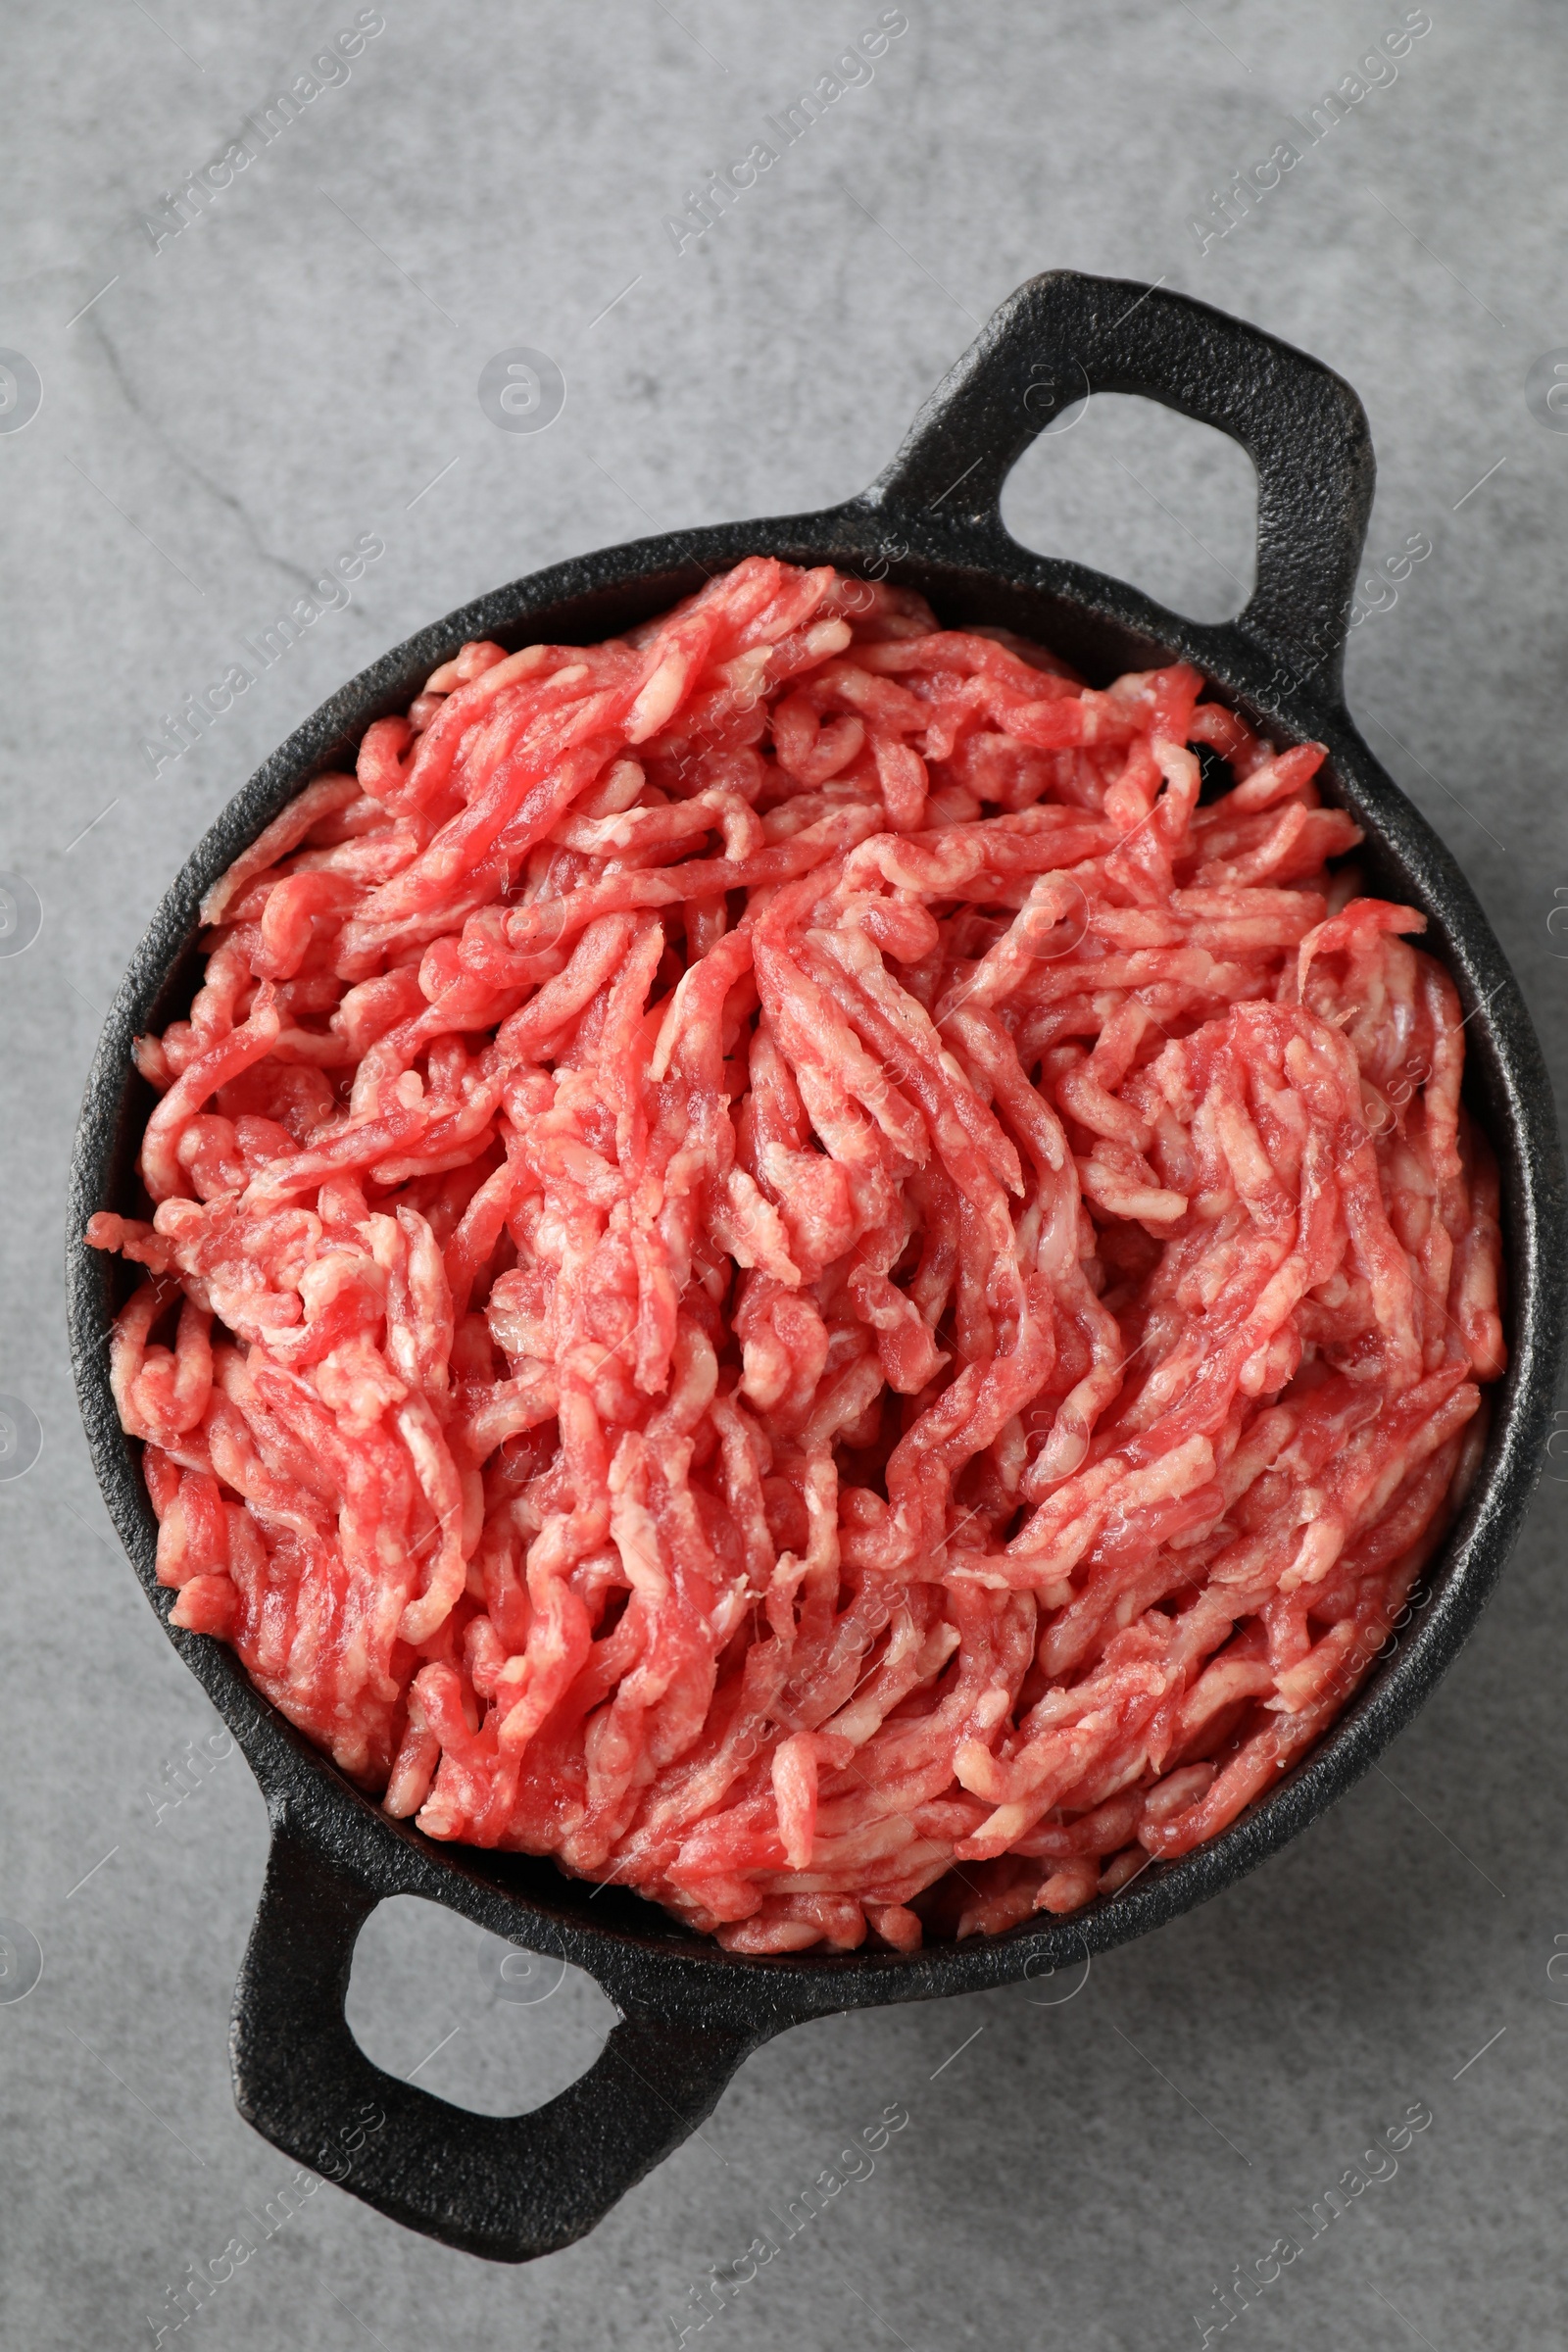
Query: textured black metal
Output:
(493,2184)
(513,2188)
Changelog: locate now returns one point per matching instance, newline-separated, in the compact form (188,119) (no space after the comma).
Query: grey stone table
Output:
(232,390)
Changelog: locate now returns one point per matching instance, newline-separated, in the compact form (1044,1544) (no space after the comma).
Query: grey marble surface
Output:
(296,369)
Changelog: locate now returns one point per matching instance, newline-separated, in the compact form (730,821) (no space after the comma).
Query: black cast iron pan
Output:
(513,2188)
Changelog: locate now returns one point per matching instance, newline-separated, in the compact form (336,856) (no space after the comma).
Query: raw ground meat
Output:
(781,1267)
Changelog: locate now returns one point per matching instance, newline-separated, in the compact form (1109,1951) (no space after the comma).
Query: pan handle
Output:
(1062,335)
(508,2187)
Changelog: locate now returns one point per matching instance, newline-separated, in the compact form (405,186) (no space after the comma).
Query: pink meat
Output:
(779,1270)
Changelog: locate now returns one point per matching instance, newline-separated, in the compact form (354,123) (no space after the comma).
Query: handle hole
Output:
(1139,491)
(436,2000)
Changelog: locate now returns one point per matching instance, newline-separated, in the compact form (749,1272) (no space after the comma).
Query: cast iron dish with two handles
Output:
(517,2186)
